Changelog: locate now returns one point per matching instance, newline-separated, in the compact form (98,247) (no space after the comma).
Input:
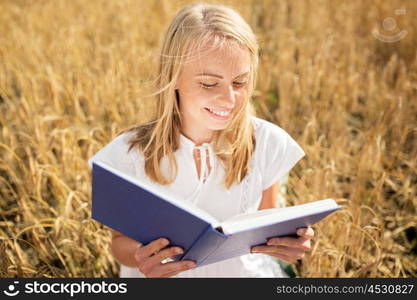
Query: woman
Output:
(205,144)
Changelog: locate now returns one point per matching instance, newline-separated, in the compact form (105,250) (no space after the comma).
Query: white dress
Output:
(275,155)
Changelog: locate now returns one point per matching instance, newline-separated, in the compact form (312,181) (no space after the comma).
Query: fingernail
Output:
(191,265)
(275,241)
(301,231)
(165,242)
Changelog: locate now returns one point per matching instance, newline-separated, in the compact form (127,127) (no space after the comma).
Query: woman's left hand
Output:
(289,249)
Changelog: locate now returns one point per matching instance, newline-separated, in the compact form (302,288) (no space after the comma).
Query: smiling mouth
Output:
(220,113)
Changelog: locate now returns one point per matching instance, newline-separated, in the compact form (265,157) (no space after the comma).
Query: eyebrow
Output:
(219,76)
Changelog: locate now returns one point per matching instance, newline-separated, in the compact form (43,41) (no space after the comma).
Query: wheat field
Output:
(74,73)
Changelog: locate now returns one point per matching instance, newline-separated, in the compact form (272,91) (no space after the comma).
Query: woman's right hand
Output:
(149,259)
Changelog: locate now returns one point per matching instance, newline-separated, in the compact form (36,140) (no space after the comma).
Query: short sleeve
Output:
(116,155)
(279,153)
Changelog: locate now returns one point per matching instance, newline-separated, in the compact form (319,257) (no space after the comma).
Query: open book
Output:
(144,213)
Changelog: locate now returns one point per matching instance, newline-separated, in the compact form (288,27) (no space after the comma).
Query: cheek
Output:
(241,96)
(195,94)
(189,94)
(194,102)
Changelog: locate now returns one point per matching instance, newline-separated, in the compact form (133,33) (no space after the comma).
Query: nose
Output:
(228,97)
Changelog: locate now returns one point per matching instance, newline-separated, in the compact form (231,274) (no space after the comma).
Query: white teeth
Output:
(220,113)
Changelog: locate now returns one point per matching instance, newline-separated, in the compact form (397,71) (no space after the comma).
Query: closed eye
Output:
(240,84)
(207,86)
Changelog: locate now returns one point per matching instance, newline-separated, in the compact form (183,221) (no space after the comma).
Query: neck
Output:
(197,136)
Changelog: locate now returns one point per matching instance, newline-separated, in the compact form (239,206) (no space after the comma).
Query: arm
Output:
(269,197)
(123,249)
(286,248)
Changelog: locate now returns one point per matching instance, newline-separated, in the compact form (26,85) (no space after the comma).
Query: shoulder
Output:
(276,151)
(116,152)
(268,133)
(120,144)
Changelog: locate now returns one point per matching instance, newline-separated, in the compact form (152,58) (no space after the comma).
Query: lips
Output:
(219,109)
(219,117)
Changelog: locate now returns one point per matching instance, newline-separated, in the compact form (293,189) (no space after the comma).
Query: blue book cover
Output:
(145,213)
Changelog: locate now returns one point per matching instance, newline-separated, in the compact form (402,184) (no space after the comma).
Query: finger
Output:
(171,274)
(306,232)
(291,252)
(164,270)
(150,249)
(285,258)
(175,273)
(300,243)
(147,264)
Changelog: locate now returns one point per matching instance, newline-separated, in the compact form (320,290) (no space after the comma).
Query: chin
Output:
(212,126)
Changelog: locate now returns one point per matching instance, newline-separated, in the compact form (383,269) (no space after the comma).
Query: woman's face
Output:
(211,87)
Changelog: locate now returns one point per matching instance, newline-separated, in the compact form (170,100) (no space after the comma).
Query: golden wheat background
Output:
(73,73)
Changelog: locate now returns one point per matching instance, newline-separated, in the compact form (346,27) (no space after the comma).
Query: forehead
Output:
(228,61)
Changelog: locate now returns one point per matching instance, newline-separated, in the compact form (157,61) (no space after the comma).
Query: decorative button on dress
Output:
(275,155)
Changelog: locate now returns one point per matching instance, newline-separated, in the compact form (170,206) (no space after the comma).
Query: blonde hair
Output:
(193,28)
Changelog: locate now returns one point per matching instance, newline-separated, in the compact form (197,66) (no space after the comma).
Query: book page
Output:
(274,215)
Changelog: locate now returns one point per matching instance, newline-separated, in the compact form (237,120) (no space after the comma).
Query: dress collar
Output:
(186,142)
(205,150)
